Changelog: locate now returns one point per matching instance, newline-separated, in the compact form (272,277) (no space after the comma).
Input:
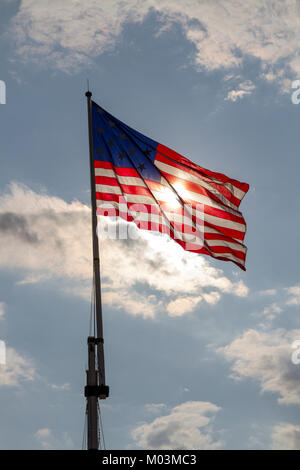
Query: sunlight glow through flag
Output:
(151,185)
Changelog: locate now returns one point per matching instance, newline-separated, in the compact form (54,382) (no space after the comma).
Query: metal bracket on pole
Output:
(92,400)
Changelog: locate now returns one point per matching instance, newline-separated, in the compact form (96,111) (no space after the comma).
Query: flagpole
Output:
(96,387)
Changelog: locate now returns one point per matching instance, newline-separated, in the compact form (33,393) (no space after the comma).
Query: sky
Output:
(199,354)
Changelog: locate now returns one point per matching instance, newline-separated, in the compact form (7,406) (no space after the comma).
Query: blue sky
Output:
(198,353)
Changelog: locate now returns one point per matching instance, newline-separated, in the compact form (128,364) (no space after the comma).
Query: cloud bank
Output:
(16,370)
(286,436)
(44,237)
(70,34)
(266,358)
(49,441)
(187,426)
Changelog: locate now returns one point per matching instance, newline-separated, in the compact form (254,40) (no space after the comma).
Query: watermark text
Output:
(295,97)
(296,354)
(2,92)
(183,223)
(2,353)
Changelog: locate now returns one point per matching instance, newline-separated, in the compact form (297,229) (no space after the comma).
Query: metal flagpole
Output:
(95,387)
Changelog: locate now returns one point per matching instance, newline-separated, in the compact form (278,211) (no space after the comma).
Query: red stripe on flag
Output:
(161,149)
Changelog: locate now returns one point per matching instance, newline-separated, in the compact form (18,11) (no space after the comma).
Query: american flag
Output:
(149,184)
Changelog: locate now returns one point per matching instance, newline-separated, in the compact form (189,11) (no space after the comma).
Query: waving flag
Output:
(151,185)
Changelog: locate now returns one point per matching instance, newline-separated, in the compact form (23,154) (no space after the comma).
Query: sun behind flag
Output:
(151,185)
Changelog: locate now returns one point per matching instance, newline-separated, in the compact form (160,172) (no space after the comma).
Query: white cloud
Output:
(2,309)
(294,295)
(65,386)
(68,34)
(48,441)
(42,433)
(155,407)
(187,426)
(33,279)
(71,33)
(271,311)
(269,292)
(16,370)
(286,436)
(213,297)
(266,358)
(182,305)
(46,237)
(244,88)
